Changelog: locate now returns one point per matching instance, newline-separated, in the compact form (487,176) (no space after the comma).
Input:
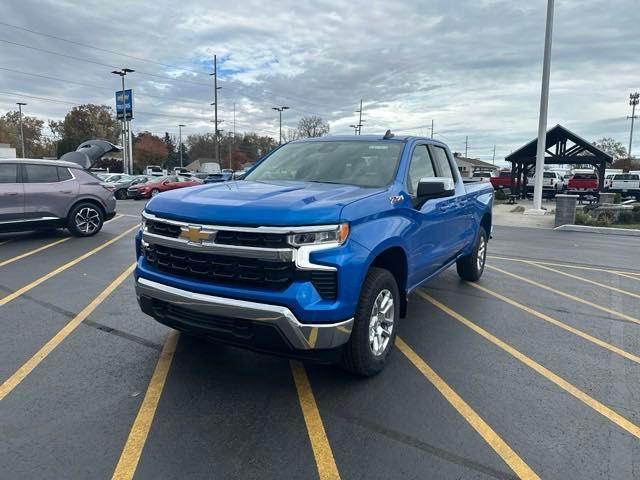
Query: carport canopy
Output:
(563,147)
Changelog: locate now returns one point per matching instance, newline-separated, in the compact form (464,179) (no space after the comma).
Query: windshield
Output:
(360,163)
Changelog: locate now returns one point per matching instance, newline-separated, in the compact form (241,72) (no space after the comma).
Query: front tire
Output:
(375,324)
(121,194)
(155,192)
(85,220)
(471,267)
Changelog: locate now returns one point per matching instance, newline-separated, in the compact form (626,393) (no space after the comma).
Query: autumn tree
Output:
(85,122)
(149,149)
(35,143)
(312,126)
(612,147)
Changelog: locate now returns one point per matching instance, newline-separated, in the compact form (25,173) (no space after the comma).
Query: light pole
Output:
(215,107)
(20,105)
(634,99)
(180,142)
(355,129)
(127,155)
(542,123)
(280,109)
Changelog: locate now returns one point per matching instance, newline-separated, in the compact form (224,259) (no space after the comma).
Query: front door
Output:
(11,193)
(431,241)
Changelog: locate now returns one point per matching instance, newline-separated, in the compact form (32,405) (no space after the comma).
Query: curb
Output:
(605,230)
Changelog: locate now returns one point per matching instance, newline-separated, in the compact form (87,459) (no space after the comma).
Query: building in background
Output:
(469,165)
(6,151)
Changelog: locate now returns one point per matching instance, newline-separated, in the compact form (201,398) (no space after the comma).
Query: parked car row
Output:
(157,185)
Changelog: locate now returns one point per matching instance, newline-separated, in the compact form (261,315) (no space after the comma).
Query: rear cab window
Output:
(441,160)
(8,173)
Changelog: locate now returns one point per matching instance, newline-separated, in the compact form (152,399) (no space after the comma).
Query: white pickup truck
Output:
(551,182)
(624,183)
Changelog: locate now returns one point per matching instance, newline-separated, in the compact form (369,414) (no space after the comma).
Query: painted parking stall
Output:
(531,373)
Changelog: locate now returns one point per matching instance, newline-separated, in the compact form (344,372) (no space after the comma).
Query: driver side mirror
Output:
(435,187)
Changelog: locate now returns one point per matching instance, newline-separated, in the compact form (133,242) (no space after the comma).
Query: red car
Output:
(583,182)
(162,184)
(503,180)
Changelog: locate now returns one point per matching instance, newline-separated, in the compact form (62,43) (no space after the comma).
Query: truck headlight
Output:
(335,235)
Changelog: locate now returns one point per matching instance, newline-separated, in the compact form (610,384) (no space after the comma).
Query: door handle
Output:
(65,191)
(11,193)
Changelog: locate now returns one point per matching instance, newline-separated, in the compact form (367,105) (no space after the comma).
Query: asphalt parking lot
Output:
(533,372)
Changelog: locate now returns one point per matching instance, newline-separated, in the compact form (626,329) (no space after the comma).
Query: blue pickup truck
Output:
(314,253)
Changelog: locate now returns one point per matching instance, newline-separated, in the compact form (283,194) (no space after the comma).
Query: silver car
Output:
(37,194)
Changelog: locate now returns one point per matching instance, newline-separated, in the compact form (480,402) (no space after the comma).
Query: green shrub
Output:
(636,215)
(625,217)
(582,218)
(500,195)
(605,219)
(636,208)
(617,198)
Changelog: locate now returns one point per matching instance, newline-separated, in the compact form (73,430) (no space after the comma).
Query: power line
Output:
(80,59)
(101,49)
(102,87)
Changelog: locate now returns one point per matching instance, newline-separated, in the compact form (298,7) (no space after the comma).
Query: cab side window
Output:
(442,162)
(421,166)
(8,173)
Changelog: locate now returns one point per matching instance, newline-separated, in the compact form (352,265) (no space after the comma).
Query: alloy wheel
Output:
(87,220)
(381,322)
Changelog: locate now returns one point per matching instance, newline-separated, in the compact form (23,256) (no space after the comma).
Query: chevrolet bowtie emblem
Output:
(194,234)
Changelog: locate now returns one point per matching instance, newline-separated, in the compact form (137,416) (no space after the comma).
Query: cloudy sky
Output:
(473,66)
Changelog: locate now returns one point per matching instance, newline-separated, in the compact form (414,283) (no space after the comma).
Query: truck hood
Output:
(276,203)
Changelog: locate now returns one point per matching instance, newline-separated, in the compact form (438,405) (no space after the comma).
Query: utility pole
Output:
(493,160)
(215,107)
(127,153)
(634,99)
(234,121)
(544,105)
(355,129)
(359,112)
(20,105)
(432,128)
(229,134)
(280,109)
(466,147)
(180,142)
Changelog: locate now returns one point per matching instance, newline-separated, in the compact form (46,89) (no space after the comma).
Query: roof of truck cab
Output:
(368,138)
(40,161)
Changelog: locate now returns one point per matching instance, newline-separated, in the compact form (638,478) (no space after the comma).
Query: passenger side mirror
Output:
(435,187)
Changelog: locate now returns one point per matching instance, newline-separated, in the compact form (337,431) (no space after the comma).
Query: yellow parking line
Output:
(14,380)
(586,280)
(325,462)
(566,265)
(119,215)
(558,323)
(34,251)
(494,440)
(44,278)
(567,295)
(603,410)
(130,456)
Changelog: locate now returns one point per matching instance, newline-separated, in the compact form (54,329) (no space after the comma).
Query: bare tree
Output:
(312,126)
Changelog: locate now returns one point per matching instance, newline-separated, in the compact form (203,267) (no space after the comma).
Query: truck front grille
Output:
(249,272)
(252,239)
(224,269)
(164,229)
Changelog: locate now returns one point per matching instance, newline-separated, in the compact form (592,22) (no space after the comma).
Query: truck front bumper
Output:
(259,326)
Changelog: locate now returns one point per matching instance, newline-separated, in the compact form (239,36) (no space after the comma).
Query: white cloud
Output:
(472,66)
